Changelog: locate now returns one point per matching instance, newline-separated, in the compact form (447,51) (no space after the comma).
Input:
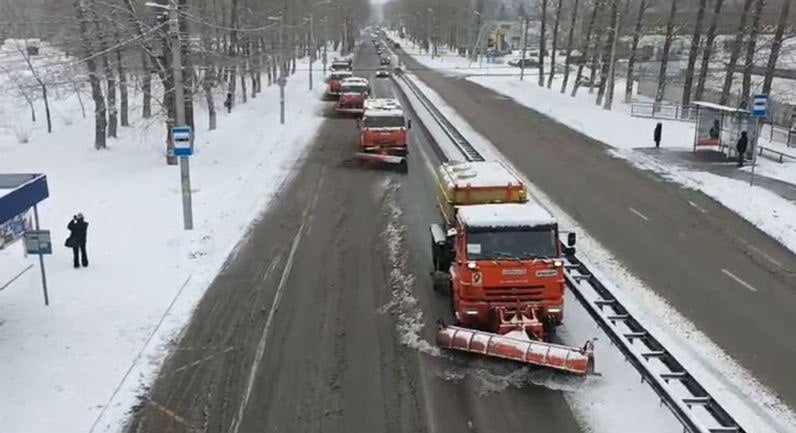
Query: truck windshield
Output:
(384,122)
(512,244)
(340,66)
(338,77)
(354,89)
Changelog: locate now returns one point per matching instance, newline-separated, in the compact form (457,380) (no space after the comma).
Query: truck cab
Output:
(335,81)
(383,128)
(353,92)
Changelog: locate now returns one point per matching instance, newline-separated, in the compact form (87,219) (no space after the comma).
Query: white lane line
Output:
(738,280)
(258,356)
(697,207)
(639,214)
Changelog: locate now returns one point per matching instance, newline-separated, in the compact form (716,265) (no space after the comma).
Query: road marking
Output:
(639,214)
(697,207)
(738,280)
(258,356)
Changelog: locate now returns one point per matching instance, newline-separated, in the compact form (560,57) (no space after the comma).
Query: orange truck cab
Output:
(335,81)
(383,128)
(498,253)
(353,92)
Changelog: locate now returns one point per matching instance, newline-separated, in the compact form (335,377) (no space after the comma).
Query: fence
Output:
(662,111)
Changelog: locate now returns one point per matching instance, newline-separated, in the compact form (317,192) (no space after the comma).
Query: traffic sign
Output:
(760,106)
(182,136)
(38,242)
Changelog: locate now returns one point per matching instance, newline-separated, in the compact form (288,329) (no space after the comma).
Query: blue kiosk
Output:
(19,195)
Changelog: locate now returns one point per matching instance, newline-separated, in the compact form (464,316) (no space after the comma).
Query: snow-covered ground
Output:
(770,212)
(597,402)
(108,327)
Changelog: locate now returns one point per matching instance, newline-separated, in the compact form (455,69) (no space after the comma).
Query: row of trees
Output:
(228,47)
(589,31)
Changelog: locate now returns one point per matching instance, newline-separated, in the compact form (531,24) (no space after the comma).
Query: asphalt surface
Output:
(319,321)
(731,280)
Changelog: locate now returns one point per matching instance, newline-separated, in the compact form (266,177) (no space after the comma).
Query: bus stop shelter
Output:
(19,195)
(718,126)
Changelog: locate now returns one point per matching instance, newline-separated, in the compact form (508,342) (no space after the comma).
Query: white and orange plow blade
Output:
(518,348)
(388,159)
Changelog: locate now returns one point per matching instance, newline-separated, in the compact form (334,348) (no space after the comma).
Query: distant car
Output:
(380,50)
(396,45)
(385,60)
(528,63)
(383,73)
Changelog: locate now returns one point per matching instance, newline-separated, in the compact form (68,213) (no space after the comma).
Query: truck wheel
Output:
(441,282)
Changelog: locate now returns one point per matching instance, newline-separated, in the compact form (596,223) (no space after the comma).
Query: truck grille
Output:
(514,294)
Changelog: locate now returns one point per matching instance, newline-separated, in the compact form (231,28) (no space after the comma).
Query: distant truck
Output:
(498,255)
(353,93)
(383,132)
(335,82)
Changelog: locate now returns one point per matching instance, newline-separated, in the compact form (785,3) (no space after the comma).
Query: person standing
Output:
(741,146)
(78,228)
(657,134)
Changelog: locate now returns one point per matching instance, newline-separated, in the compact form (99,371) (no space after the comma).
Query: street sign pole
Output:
(524,44)
(759,111)
(179,108)
(41,259)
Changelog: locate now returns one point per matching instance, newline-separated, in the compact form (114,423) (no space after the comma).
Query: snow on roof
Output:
(718,107)
(478,175)
(355,80)
(383,107)
(342,73)
(530,214)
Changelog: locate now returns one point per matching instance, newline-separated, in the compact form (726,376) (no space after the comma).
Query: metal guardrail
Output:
(662,111)
(686,403)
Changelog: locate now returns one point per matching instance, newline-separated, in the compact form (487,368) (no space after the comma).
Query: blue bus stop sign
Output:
(182,137)
(760,106)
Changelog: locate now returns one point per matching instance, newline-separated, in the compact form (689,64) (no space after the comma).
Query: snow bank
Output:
(109,326)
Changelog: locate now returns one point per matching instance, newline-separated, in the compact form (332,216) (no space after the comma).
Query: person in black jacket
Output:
(78,228)
(741,146)
(656,135)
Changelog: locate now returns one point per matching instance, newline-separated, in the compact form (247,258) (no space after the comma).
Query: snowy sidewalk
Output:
(114,320)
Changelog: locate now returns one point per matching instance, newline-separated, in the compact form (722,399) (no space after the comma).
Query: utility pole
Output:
(283,69)
(312,46)
(179,109)
(524,45)
(325,41)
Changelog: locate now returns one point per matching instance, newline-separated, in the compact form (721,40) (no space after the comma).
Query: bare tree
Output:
(776,46)
(542,44)
(746,82)
(586,45)
(123,102)
(667,45)
(612,32)
(631,62)
(555,45)
(110,81)
(708,50)
(572,23)
(146,86)
(692,53)
(91,66)
(735,53)
(42,85)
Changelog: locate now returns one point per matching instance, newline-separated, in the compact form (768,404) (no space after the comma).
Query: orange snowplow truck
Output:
(498,254)
(383,132)
(335,82)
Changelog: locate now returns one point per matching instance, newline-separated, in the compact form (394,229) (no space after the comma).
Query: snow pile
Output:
(109,326)
(403,305)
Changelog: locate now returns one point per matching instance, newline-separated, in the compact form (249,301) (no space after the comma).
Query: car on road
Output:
(385,60)
(528,63)
(383,73)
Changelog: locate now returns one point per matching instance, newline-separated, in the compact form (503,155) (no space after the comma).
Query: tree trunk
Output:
(586,46)
(608,51)
(708,50)
(542,43)
(79,99)
(631,62)
(751,43)
(608,83)
(572,23)
(734,54)
(555,45)
(110,82)
(207,86)
(598,55)
(187,66)
(667,45)
(91,67)
(233,49)
(123,102)
(776,46)
(692,53)
(243,70)
(146,88)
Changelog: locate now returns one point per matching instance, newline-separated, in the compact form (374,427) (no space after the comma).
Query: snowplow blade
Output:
(388,159)
(570,359)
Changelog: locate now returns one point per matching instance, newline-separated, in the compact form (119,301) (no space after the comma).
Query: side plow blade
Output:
(388,159)
(516,347)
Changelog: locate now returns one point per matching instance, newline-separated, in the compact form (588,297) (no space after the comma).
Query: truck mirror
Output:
(571,239)
(451,232)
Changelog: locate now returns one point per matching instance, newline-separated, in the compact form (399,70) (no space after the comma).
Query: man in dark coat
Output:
(741,146)
(78,228)
(657,134)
